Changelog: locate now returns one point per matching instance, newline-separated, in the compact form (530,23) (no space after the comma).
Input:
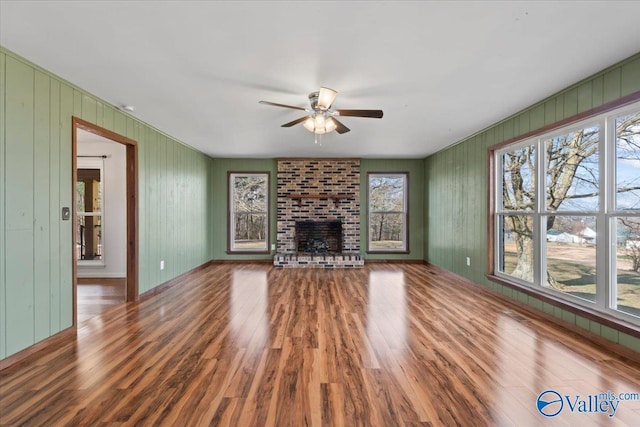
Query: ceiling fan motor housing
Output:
(313,99)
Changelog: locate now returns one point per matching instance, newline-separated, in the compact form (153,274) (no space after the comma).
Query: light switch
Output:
(66,214)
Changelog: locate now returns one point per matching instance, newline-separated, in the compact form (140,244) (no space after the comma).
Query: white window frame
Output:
(231,245)
(94,163)
(606,214)
(404,212)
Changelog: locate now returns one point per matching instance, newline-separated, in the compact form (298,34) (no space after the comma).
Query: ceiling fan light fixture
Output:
(309,125)
(330,125)
(326,98)
(319,125)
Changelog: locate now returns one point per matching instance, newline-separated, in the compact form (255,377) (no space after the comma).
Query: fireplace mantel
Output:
(335,197)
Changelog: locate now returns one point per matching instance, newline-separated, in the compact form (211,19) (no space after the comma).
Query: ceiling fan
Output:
(322,118)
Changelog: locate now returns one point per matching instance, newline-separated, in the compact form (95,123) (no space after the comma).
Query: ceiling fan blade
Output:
(340,128)
(295,122)
(281,105)
(375,114)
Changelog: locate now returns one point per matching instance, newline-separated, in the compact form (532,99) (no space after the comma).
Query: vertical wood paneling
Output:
(54,207)
(172,161)
(140,137)
(570,103)
(525,122)
(41,203)
(89,108)
(119,123)
(108,120)
(559,109)
(612,85)
(462,170)
(77,102)
(154,201)
(131,127)
(507,129)
(99,114)
(597,91)
(68,99)
(454,226)
(19,197)
(629,77)
(163,192)
(585,96)
(537,117)
(3,157)
(549,113)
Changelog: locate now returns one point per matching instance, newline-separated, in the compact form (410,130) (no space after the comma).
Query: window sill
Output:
(602,318)
(405,252)
(248,252)
(91,264)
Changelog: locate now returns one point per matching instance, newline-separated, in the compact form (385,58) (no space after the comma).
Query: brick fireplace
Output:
(322,191)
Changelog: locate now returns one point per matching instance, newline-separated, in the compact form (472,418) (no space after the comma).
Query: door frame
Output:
(132,205)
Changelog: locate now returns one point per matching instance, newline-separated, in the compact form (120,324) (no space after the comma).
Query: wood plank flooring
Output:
(96,295)
(251,345)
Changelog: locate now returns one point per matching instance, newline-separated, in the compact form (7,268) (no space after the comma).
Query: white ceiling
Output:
(440,70)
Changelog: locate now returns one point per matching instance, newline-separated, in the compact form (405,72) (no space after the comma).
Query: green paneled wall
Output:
(415,168)
(220,206)
(36,290)
(456,182)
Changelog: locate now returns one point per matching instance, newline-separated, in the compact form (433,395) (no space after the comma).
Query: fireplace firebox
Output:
(318,236)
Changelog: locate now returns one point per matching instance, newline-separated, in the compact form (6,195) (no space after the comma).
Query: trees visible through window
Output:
(248,210)
(387,212)
(567,212)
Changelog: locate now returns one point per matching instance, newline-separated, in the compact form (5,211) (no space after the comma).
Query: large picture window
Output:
(387,207)
(249,212)
(567,212)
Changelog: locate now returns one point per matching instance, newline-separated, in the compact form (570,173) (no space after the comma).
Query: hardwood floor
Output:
(96,295)
(245,345)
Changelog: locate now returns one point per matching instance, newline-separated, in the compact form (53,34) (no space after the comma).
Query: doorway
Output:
(89,216)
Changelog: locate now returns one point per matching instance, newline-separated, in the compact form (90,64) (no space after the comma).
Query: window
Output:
(249,212)
(387,212)
(567,213)
(89,211)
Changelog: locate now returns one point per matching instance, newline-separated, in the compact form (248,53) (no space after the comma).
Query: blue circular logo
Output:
(549,403)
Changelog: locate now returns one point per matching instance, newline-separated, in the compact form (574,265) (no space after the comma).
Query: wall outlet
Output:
(273,246)
(162,265)
(468,261)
